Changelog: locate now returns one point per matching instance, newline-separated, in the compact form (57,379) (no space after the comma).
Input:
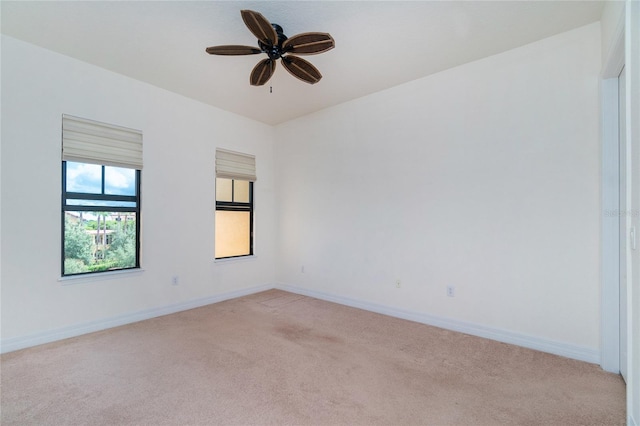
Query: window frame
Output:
(238,207)
(70,195)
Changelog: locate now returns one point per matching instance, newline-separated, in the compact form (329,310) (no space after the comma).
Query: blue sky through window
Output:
(87,178)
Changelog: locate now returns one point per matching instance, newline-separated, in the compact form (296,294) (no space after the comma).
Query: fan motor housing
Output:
(274,52)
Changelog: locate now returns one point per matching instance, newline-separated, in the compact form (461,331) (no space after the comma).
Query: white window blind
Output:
(235,165)
(89,141)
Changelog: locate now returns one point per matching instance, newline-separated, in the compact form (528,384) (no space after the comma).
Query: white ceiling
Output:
(379,44)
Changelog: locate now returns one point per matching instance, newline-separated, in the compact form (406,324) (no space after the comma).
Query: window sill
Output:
(99,276)
(235,259)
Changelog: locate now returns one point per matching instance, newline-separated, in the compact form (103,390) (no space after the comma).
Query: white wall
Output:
(180,138)
(484,177)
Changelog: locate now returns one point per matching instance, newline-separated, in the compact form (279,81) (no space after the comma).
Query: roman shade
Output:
(235,165)
(89,141)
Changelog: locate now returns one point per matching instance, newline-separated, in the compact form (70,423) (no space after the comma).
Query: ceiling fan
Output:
(273,42)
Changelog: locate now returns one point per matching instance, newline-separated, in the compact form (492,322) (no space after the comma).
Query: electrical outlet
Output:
(398,284)
(174,280)
(451,291)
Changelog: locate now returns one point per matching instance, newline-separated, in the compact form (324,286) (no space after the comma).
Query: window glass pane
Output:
(119,181)
(101,203)
(83,177)
(232,233)
(224,189)
(241,191)
(95,242)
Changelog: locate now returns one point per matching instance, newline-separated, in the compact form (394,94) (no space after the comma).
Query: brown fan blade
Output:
(260,27)
(301,69)
(262,72)
(309,43)
(233,50)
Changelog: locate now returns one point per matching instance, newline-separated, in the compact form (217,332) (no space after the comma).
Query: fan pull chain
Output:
(270,89)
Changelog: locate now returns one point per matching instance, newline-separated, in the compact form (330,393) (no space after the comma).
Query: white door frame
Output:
(610,252)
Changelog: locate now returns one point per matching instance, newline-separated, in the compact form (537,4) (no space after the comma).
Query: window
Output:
(100,208)
(101,170)
(235,174)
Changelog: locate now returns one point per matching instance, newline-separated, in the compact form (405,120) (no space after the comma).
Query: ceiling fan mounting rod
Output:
(280,32)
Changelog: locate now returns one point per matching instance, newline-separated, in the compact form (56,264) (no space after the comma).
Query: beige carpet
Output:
(284,359)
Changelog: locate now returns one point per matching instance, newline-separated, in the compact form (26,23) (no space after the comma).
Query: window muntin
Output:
(100,218)
(233,218)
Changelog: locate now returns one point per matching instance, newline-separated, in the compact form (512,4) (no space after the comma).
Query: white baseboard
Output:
(531,342)
(16,343)
(558,348)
